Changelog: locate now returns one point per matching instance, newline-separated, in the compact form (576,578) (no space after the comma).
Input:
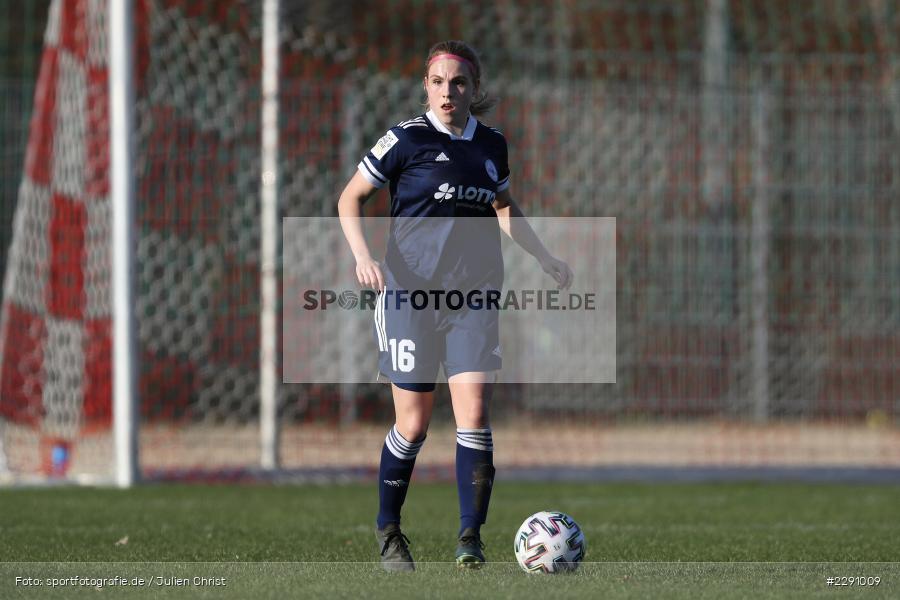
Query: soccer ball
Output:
(549,542)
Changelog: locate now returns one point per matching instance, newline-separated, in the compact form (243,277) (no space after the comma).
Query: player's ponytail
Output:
(483,102)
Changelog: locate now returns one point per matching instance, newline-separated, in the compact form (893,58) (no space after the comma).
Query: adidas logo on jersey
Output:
(441,158)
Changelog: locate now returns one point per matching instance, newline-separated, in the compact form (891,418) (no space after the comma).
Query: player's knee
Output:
(413,427)
(473,416)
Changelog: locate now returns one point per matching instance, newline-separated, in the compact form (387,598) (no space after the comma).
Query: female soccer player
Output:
(440,166)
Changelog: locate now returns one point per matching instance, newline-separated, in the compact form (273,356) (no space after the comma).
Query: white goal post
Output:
(121,144)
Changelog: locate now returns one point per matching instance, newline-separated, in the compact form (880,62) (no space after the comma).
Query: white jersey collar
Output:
(468,132)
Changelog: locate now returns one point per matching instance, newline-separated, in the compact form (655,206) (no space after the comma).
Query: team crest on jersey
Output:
(491,169)
(386,142)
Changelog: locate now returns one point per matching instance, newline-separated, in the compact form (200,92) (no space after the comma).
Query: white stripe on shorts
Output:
(379,321)
(375,320)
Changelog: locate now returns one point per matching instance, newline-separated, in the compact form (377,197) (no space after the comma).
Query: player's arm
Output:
(515,225)
(356,192)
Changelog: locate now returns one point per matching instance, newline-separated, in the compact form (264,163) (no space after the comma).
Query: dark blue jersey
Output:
(433,173)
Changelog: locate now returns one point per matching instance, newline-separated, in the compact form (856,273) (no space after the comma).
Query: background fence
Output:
(747,148)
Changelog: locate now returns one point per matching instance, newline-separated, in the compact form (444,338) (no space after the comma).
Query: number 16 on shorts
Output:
(402,357)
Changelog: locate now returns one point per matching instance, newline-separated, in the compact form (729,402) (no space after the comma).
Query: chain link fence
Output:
(747,149)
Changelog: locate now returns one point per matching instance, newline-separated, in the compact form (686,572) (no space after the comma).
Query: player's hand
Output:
(368,272)
(559,271)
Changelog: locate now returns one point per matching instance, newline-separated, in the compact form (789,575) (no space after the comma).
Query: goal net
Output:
(746,148)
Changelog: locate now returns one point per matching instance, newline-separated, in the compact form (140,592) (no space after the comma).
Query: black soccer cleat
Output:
(394,549)
(469,553)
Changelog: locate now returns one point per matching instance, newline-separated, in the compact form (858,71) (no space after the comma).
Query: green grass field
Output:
(671,540)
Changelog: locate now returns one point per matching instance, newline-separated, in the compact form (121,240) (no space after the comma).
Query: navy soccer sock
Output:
(474,475)
(398,457)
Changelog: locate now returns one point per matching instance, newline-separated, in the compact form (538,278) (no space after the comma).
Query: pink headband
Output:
(456,57)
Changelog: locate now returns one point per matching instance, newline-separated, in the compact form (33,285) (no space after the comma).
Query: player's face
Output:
(450,88)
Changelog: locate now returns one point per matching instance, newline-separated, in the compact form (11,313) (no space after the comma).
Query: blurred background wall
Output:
(747,148)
